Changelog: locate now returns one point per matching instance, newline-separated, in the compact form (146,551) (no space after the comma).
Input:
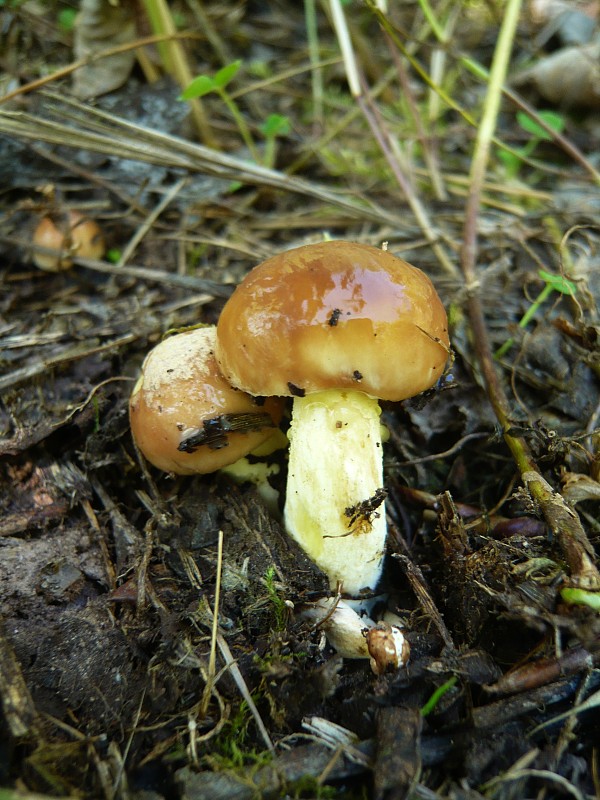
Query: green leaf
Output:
(66,19)
(511,161)
(581,597)
(113,255)
(558,282)
(275,125)
(223,76)
(200,86)
(437,696)
(551,118)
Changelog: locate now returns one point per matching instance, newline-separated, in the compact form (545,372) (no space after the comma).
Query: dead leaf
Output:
(99,26)
(569,77)
(578,487)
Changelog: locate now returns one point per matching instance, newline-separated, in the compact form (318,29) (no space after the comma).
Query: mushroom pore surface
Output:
(333,315)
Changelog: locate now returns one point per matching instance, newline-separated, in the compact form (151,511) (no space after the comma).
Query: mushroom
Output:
(337,325)
(354,635)
(66,234)
(185,417)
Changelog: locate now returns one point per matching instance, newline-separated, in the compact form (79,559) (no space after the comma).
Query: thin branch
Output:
(382,136)
(63,72)
(563,521)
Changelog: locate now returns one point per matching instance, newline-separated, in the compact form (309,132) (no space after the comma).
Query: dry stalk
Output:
(244,691)
(571,149)
(82,126)
(394,157)
(64,72)
(562,520)
(212,660)
(175,61)
(18,708)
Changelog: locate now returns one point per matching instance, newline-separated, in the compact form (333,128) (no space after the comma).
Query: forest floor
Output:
(114,682)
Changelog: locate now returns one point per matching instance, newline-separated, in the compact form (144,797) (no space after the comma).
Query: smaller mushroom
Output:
(345,629)
(185,418)
(388,648)
(66,235)
(356,636)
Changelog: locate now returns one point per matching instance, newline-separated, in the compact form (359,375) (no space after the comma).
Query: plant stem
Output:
(312,37)
(562,521)
(240,122)
(526,319)
(437,696)
(393,155)
(270,152)
(533,308)
(175,62)
(479,71)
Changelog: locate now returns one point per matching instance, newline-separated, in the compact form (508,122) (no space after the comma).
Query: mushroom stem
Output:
(334,505)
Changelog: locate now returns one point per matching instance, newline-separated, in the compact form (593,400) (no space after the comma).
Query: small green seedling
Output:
(513,160)
(113,255)
(66,19)
(280,610)
(205,84)
(275,125)
(554,283)
(581,597)
(435,698)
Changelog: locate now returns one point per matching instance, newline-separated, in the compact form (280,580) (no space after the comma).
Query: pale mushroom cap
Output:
(334,315)
(179,390)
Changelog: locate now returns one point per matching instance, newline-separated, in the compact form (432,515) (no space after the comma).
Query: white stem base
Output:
(335,473)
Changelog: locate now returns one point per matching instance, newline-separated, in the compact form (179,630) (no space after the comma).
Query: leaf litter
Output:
(109,568)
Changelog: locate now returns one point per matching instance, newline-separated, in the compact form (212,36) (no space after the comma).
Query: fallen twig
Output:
(562,521)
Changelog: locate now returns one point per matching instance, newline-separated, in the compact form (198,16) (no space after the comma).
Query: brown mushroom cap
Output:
(334,315)
(181,399)
(67,234)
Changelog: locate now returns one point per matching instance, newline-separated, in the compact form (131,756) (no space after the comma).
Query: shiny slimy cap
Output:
(334,315)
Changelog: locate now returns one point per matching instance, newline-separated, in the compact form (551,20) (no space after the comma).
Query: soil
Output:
(114,680)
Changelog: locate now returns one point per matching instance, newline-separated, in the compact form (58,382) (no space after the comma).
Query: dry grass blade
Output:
(91,129)
(244,691)
(211,677)
(212,661)
(17,705)
(591,703)
(563,521)
(395,158)
(62,356)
